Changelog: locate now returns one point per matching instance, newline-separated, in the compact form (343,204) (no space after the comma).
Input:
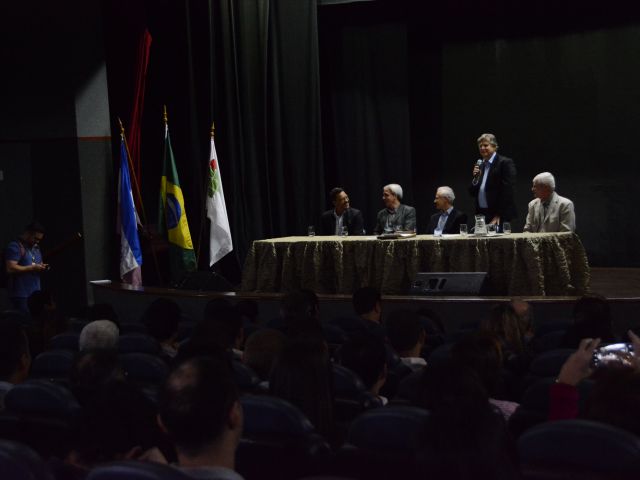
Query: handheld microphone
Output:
(476,177)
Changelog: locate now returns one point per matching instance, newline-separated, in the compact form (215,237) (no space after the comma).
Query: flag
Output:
(220,234)
(172,218)
(130,251)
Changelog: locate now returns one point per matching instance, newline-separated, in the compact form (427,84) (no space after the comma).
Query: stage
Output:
(620,285)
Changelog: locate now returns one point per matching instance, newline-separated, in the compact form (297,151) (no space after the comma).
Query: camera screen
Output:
(614,354)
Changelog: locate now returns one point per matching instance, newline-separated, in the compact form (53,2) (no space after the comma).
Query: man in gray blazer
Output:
(549,212)
(395,216)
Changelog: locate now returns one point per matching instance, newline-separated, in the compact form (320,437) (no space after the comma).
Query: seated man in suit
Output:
(449,219)
(549,212)
(395,216)
(342,215)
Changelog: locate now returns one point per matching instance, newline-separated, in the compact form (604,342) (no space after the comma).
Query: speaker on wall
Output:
(448,283)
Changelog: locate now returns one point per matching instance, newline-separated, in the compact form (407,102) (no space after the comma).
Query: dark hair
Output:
(13,345)
(505,323)
(221,323)
(302,375)
(248,309)
(115,420)
(91,370)
(35,227)
(403,329)
(195,402)
(615,398)
(365,355)
(162,318)
(335,192)
(365,299)
(300,310)
(482,353)
(261,350)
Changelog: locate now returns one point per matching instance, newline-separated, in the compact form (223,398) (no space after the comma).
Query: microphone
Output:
(476,178)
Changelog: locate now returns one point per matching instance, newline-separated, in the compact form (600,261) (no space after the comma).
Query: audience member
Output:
(366,356)
(302,375)
(200,411)
(591,319)
(92,370)
(99,334)
(15,357)
(300,314)
(262,349)
(221,324)
(407,337)
(162,318)
(367,303)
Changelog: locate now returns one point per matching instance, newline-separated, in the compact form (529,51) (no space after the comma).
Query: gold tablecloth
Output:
(518,264)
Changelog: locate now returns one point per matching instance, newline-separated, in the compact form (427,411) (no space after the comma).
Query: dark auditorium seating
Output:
(350,395)
(144,368)
(64,341)
(278,441)
(138,343)
(19,462)
(52,364)
(246,379)
(136,470)
(579,449)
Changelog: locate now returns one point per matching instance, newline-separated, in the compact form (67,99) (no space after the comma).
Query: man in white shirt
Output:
(549,212)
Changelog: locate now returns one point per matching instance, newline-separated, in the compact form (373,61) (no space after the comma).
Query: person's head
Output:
(199,409)
(366,355)
(339,199)
(505,324)
(525,313)
(15,356)
(92,370)
(543,186)
(591,319)
(301,312)
(302,376)
(367,300)
(117,423)
(221,324)
(392,195)
(162,318)
(261,350)
(482,353)
(249,310)
(405,332)
(487,145)
(444,198)
(33,234)
(99,334)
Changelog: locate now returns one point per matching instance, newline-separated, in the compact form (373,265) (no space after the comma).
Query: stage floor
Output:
(616,283)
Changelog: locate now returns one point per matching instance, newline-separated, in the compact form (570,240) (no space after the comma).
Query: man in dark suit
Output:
(342,215)
(449,219)
(493,184)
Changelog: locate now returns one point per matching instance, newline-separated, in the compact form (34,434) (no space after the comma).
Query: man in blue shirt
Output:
(23,264)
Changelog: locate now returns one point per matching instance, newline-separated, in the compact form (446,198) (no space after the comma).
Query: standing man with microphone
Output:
(493,183)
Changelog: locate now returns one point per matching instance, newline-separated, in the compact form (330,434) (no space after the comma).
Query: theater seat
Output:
(383,442)
(278,441)
(351,397)
(19,462)
(144,368)
(136,470)
(52,364)
(64,341)
(579,448)
(138,343)
(41,398)
(246,379)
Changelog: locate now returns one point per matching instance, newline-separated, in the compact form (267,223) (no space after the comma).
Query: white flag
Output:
(220,235)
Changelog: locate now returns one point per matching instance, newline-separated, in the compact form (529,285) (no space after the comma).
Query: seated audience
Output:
(407,337)
(302,375)
(366,356)
(15,357)
(99,334)
(162,318)
(395,216)
(92,370)
(367,303)
(299,314)
(591,319)
(505,324)
(221,324)
(448,219)
(200,411)
(261,350)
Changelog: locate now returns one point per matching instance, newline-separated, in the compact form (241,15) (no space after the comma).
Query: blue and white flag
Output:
(130,251)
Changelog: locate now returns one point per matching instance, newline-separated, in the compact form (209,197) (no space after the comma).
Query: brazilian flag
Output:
(172,218)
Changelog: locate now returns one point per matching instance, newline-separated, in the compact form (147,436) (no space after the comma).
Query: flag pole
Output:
(204,217)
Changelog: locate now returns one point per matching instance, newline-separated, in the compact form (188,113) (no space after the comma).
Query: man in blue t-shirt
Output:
(23,264)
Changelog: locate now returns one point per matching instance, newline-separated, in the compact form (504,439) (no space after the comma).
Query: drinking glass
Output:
(463,230)
(506,228)
(311,231)
(345,231)
(491,229)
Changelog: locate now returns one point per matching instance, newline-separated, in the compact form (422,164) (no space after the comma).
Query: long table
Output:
(529,264)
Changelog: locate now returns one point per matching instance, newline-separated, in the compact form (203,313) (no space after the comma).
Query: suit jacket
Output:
(405,219)
(353,220)
(456,218)
(500,189)
(560,215)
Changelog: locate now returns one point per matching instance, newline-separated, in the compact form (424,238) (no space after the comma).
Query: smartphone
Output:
(615,354)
